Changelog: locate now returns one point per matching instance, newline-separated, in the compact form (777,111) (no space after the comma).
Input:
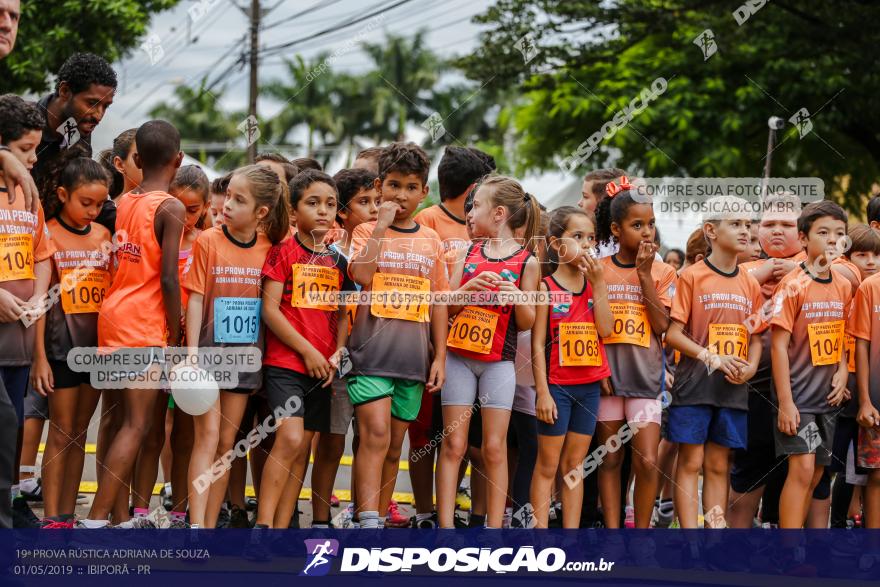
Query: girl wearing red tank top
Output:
(568,360)
(482,340)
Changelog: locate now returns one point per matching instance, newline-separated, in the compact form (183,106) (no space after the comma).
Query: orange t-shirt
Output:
(864,323)
(814,311)
(81,265)
(133,313)
(382,345)
(451,229)
(24,241)
(714,308)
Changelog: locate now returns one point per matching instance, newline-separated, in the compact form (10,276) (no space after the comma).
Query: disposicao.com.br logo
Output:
(462,560)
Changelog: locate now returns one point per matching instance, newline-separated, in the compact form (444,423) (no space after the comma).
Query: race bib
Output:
(826,342)
(237,320)
(400,297)
(473,330)
(631,325)
(350,313)
(16,257)
(849,342)
(729,339)
(579,345)
(315,287)
(82,292)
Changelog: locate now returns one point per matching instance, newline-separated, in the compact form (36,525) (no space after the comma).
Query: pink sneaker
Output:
(55,525)
(334,501)
(394,519)
(630,520)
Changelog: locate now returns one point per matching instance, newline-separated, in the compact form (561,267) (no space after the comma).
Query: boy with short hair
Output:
(368,159)
(708,415)
(397,350)
(809,366)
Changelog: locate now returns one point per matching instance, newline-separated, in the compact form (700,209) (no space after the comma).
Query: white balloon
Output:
(193,389)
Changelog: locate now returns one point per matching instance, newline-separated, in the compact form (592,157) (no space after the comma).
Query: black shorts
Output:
(475,430)
(845,434)
(312,403)
(753,464)
(66,377)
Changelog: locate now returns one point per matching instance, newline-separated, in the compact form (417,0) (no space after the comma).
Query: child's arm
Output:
(16,175)
(341,339)
(41,373)
(764,273)
(439,332)
(43,275)
(868,414)
(194,307)
(317,366)
(838,393)
(789,418)
(363,267)
(545,407)
(169,227)
(658,313)
(592,269)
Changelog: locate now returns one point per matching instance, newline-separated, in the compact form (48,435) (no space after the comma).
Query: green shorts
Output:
(405,394)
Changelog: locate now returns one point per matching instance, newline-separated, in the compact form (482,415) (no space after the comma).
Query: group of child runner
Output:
(726,388)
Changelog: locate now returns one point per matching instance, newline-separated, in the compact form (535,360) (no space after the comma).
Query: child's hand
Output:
(485,281)
(11,307)
(436,376)
(317,366)
(670,379)
(731,365)
(839,393)
(41,377)
(387,211)
(744,375)
(868,416)
(592,270)
(545,409)
(781,268)
(645,257)
(605,387)
(788,419)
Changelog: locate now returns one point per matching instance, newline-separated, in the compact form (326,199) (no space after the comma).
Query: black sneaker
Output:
(22,516)
(238,518)
(223,518)
(426,524)
(460,521)
(36,495)
(250,504)
(294,521)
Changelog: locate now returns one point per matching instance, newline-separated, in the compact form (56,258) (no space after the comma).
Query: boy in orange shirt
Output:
(142,307)
(809,365)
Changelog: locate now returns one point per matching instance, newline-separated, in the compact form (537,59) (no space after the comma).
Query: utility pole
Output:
(254,64)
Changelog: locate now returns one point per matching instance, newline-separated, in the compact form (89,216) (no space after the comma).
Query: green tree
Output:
(401,85)
(198,116)
(595,57)
(52,30)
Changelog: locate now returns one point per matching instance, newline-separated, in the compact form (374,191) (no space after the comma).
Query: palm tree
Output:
(310,98)
(197,115)
(406,71)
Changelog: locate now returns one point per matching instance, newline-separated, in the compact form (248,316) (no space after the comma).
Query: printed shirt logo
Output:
(470,267)
(318,561)
(509,275)
(561,308)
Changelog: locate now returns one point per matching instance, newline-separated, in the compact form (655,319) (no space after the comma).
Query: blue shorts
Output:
(15,379)
(577,407)
(701,424)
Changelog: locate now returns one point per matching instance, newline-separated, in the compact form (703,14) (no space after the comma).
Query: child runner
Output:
(223,310)
(482,339)
(145,285)
(708,415)
(358,203)
(811,305)
(398,350)
(25,270)
(81,272)
(304,343)
(568,359)
(640,293)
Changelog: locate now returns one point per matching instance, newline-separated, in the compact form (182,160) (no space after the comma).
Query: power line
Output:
(308,10)
(340,26)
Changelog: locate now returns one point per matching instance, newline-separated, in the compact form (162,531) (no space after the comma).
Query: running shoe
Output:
(238,518)
(56,525)
(22,515)
(345,519)
(35,494)
(630,519)
(137,524)
(463,499)
(425,524)
(334,501)
(394,519)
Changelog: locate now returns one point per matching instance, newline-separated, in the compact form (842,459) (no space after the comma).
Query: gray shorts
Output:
(35,405)
(496,382)
(341,410)
(815,435)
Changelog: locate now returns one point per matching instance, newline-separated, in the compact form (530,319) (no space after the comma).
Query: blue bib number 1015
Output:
(237,320)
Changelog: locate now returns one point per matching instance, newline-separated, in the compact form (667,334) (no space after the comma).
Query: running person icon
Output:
(318,551)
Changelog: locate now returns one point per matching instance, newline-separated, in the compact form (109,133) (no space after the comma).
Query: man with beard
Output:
(84,90)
